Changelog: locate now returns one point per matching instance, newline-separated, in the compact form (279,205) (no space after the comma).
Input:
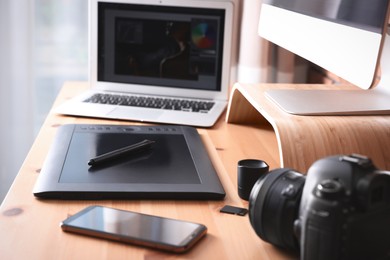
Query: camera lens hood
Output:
(274,205)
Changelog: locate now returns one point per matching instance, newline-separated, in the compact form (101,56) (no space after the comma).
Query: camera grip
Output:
(321,242)
(322,222)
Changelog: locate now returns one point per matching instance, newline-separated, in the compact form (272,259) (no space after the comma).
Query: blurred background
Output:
(43,43)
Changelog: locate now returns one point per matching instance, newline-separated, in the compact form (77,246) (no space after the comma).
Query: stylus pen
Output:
(128,150)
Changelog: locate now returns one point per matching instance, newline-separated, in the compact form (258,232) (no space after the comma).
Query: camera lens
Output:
(274,205)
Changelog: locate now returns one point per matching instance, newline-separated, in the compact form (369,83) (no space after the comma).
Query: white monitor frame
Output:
(357,61)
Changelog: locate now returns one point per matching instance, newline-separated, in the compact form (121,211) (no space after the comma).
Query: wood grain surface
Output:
(305,139)
(29,227)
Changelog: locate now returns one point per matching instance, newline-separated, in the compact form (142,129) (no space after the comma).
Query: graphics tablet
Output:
(176,166)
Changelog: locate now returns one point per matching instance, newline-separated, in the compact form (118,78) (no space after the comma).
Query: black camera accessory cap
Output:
(274,205)
(234,210)
(248,172)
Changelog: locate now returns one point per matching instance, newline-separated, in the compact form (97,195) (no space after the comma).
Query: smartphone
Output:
(135,228)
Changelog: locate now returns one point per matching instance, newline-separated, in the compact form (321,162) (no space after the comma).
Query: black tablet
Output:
(176,166)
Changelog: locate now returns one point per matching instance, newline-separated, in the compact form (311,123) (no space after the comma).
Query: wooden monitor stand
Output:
(305,139)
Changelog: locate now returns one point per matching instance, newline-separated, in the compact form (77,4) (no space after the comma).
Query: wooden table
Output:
(29,228)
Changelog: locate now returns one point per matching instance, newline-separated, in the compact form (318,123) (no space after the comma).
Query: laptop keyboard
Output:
(152,102)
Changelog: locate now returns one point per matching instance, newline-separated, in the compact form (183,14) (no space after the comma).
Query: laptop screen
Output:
(178,47)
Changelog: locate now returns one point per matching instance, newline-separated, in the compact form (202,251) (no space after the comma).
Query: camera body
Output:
(339,210)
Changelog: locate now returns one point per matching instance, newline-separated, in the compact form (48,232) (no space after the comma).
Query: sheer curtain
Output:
(43,43)
(16,87)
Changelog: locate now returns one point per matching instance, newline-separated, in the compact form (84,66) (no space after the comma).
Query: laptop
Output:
(161,61)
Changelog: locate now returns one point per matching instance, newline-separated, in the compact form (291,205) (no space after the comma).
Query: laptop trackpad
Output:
(136,114)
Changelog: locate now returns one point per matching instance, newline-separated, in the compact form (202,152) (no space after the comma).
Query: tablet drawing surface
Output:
(176,166)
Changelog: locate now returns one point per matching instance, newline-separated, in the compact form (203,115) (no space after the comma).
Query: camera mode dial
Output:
(329,189)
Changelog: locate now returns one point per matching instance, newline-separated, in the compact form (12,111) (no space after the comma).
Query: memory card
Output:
(234,210)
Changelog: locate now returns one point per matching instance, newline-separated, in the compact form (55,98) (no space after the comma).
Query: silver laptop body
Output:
(170,49)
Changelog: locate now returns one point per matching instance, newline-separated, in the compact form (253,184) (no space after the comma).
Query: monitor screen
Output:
(345,37)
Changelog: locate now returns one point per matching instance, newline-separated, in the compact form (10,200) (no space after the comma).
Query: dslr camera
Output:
(339,210)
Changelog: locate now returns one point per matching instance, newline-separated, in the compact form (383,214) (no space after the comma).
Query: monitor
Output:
(345,37)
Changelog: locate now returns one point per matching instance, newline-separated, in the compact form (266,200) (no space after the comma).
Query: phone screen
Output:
(131,227)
